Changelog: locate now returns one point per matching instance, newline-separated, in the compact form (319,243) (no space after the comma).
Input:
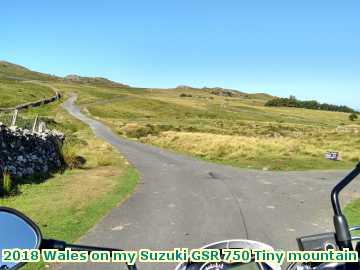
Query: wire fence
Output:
(6,118)
(32,123)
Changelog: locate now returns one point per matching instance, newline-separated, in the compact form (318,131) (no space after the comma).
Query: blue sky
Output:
(310,49)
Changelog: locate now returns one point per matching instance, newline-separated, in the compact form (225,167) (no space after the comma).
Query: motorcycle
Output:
(19,232)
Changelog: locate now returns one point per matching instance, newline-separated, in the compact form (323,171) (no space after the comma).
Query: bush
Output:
(353,117)
(185,95)
(191,129)
(307,104)
(222,92)
(50,122)
(165,127)
(73,140)
(6,184)
(70,157)
(134,130)
(104,160)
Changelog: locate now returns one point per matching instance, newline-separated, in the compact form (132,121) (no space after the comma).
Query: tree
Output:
(353,116)
(309,104)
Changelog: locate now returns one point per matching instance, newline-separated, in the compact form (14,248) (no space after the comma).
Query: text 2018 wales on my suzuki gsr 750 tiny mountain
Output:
(19,232)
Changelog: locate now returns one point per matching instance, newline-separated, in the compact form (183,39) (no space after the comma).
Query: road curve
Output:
(185,202)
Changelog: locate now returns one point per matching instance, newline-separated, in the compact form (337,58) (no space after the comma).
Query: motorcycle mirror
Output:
(17,231)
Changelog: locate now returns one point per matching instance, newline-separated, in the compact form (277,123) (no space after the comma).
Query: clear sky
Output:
(307,48)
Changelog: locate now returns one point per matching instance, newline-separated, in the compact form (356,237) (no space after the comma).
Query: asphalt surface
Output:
(184,202)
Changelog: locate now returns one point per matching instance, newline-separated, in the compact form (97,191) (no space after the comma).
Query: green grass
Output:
(307,134)
(14,92)
(237,130)
(9,70)
(68,204)
(5,184)
(64,209)
(352,212)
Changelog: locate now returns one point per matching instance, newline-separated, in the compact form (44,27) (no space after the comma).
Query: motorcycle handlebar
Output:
(342,232)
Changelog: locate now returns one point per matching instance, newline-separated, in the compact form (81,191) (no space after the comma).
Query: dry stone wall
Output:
(24,154)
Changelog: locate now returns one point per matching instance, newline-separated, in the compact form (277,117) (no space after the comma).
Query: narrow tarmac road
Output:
(185,202)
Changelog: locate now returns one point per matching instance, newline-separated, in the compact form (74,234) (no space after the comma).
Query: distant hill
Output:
(13,71)
(213,123)
(93,80)
(16,72)
(218,91)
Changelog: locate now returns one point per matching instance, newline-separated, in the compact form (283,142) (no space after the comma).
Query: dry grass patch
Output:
(256,152)
(86,185)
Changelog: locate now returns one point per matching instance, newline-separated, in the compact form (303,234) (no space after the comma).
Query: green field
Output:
(210,124)
(237,130)
(68,204)
(15,92)
(16,72)
(214,124)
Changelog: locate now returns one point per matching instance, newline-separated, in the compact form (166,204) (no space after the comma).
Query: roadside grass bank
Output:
(352,211)
(68,204)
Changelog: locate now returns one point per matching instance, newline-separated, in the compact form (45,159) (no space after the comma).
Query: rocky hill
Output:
(93,80)
(16,72)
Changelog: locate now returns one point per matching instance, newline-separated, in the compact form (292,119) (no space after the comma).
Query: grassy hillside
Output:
(237,130)
(221,125)
(211,123)
(15,92)
(66,204)
(13,71)
(16,85)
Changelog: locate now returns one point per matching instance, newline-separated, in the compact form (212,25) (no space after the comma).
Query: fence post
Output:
(13,122)
(42,127)
(35,123)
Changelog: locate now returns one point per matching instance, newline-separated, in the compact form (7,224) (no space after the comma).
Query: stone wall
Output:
(24,154)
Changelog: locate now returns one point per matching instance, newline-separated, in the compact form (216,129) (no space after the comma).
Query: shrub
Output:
(307,104)
(222,92)
(134,130)
(70,157)
(185,95)
(104,160)
(50,122)
(72,139)
(6,184)
(191,129)
(164,127)
(353,116)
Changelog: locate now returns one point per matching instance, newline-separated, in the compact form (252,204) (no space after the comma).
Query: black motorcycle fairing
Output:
(231,244)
